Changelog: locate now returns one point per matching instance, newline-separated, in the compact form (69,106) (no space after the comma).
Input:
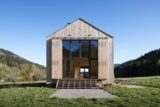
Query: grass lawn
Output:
(147,97)
(150,82)
(39,97)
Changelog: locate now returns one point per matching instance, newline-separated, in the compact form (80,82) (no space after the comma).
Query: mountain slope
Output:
(116,65)
(16,68)
(146,65)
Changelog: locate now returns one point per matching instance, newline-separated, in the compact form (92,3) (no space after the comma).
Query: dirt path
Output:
(78,93)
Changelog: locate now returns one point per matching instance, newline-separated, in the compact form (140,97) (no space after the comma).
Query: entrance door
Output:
(84,72)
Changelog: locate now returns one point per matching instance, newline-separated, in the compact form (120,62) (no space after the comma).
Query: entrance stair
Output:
(79,84)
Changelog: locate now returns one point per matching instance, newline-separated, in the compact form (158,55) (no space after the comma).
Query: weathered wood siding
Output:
(102,59)
(56,59)
(49,62)
(110,61)
(105,60)
(78,30)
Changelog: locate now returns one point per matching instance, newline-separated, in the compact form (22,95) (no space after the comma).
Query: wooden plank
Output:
(90,83)
(111,63)
(63,83)
(105,60)
(96,83)
(102,59)
(68,84)
(56,59)
(57,83)
(49,62)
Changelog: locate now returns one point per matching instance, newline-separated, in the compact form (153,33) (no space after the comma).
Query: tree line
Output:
(146,65)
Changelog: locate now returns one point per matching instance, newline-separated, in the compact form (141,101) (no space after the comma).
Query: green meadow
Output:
(127,97)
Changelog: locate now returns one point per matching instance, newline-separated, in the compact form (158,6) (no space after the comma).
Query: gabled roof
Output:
(50,36)
(95,27)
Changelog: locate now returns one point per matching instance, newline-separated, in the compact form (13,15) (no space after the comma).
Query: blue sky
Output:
(25,24)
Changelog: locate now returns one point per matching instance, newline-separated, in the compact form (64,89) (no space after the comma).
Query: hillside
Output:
(116,65)
(15,68)
(146,65)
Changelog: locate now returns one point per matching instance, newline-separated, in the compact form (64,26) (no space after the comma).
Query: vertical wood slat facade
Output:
(102,58)
(80,30)
(105,60)
(56,59)
(111,62)
(48,61)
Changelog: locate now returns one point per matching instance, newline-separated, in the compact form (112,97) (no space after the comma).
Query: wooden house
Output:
(80,51)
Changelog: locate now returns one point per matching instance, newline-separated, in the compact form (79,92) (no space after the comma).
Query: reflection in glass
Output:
(86,73)
(93,68)
(85,43)
(75,48)
(75,51)
(94,49)
(66,49)
(85,52)
(66,69)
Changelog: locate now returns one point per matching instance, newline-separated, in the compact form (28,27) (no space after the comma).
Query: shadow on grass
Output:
(29,84)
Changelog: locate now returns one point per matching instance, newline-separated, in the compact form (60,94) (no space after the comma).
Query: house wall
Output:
(80,30)
(56,59)
(49,62)
(111,61)
(105,60)
(102,59)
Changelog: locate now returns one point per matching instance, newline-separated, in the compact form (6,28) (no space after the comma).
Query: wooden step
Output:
(79,84)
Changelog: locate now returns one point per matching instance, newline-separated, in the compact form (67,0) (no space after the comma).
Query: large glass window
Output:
(66,69)
(74,52)
(66,49)
(93,68)
(85,49)
(85,52)
(84,43)
(75,46)
(94,49)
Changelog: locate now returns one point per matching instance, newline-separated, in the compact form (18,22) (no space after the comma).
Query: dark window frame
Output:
(89,58)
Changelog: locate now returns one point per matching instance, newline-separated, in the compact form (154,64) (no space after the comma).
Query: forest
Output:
(146,65)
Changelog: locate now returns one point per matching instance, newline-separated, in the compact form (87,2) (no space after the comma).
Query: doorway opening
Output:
(84,72)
